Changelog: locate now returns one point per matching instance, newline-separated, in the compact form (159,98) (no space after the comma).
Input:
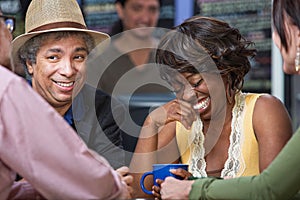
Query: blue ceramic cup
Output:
(161,171)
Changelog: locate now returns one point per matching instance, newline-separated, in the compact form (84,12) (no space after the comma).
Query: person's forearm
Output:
(144,156)
(145,152)
(279,181)
(46,151)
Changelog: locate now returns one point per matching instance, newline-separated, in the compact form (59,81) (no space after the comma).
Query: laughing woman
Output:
(281,180)
(211,125)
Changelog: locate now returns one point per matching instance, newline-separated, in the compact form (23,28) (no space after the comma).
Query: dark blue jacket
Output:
(97,119)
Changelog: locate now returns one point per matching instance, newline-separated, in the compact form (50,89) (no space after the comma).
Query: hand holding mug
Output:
(127,179)
(184,174)
(172,188)
(161,171)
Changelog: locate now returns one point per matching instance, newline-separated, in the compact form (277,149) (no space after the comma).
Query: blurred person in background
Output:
(133,46)
(128,69)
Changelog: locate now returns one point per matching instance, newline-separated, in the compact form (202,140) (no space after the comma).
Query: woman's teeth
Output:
(202,104)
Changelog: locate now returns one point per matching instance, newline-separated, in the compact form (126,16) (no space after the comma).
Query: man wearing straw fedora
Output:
(72,170)
(53,51)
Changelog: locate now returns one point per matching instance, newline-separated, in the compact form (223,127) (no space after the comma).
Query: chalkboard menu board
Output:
(16,8)
(100,15)
(167,14)
(11,6)
(253,19)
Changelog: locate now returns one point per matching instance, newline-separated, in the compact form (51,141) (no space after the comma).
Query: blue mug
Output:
(161,171)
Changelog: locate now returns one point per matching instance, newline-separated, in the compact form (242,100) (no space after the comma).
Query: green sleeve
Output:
(281,180)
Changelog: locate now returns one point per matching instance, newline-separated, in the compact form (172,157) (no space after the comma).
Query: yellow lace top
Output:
(243,155)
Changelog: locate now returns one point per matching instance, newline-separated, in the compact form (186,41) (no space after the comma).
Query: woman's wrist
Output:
(188,188)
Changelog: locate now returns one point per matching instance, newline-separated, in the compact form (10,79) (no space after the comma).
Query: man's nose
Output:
(145,16)
(68,69)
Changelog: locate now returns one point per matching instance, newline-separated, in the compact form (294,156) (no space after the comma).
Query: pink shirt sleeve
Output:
(39,145)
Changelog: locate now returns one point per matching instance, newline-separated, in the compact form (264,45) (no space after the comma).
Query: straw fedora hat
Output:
(45,16)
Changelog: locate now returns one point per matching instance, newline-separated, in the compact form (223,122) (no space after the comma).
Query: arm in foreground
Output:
(279,181)
(38,144)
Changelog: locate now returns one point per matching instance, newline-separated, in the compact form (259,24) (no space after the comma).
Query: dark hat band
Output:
(58,25)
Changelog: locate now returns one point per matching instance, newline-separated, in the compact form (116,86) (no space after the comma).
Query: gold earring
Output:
(297,60)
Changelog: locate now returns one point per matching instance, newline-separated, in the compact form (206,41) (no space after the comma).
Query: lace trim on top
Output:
(235,164)
(197,150)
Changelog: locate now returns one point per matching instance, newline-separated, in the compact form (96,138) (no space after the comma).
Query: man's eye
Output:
(136,8)
(52,57)
(153,10)
(79,57)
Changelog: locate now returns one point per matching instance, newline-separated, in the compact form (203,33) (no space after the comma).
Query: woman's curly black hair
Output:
(194,44)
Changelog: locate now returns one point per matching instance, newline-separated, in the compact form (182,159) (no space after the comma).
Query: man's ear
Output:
(29,67)
(119,9)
